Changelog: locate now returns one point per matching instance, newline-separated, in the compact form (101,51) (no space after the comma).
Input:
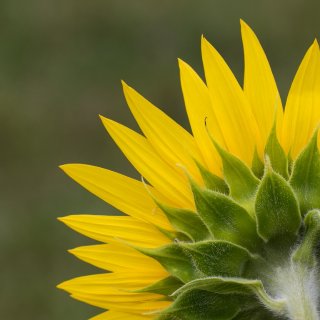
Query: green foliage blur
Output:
(61,62)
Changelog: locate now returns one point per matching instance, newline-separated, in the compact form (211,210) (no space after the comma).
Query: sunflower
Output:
(225,223)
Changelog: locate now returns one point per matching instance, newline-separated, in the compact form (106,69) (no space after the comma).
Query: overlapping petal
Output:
(170,141)
(117,257)
(116,228)
(259,85)
(200,113)
(302,111)
(232,109)
(126,194)
(115,315)
(239,120)
(170,182)
(115,290)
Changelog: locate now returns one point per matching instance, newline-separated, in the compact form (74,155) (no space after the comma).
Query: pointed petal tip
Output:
(67,220)
(205,44)
(62,286)
(182,64)
(73,218)
(73,251)
(63,166)
(126,88)
(316,43)
(244,24)
(314,47)
(65,286)
(107,122)
(101,116)
(69,167)
(207,47)
(245,28)
(204,41)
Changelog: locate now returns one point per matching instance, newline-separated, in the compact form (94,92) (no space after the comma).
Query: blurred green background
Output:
(60,66)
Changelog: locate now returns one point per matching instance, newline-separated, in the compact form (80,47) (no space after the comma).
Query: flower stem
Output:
(297,284)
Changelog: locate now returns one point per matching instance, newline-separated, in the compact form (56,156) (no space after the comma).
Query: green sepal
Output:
(165,286)
(235,286)
(256,314)
(203,305)
(189,261)
(276,154)
(225,219)
(305,177)
(257,165)
(240,179)
(276,207)
(174,259)
(305,253)
(212,181)
(217,258)
(175,235)
(186,222)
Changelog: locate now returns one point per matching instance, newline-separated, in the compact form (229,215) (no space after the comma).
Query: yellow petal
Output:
(136,307)
(171,142)
(199,109)
(115,315)
(231,107)
(119,258)
(120,283)
(259,85)
(171,183)
(114,291)
(115,229)
(126,194)
(302,112)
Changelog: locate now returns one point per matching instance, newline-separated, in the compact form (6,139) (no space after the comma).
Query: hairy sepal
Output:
(305,177)
(225,219)
(186,222)
(200,305)
(189,261)
(276,207)
(212,181)
(241,180)
(165,286)
(276,154)
(305,253)
(236,286)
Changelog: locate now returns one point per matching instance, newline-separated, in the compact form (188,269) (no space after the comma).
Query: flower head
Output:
(227,223)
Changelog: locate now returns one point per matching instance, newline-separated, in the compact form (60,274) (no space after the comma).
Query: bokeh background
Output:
(61,62)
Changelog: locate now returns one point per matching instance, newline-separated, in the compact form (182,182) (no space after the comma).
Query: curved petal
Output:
(231,107)
(302,112)
(116,228)
(171,183)
(114,290)
(171,142)
(259,85)
(115,315)
(126,194)
(199,108)
(132,306)
(119,258)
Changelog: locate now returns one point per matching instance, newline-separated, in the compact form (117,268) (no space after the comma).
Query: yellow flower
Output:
(226,121)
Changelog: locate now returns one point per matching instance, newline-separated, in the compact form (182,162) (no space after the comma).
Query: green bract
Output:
(249,250)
